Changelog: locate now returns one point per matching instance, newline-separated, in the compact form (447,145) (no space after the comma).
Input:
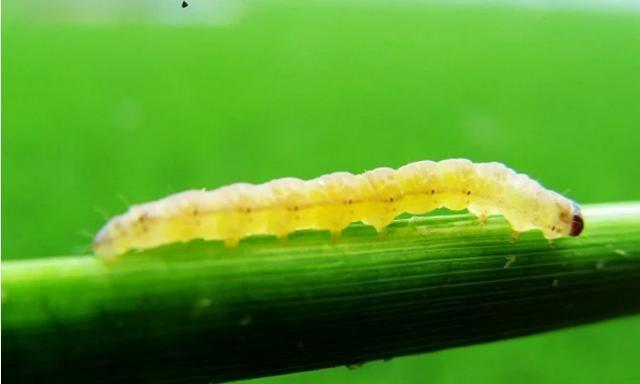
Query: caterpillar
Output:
(331,202)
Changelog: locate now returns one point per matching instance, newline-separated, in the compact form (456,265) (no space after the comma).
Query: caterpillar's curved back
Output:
(331,202)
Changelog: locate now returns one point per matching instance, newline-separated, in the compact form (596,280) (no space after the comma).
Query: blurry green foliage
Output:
(97,113)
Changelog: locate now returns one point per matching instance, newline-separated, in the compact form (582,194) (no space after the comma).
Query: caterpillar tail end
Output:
(577,222)
(105,247)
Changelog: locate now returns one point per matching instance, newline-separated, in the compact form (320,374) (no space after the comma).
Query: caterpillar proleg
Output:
(331,202)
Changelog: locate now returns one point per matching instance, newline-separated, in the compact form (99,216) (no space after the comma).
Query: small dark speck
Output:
(433,191)
(468,193)
(185,4)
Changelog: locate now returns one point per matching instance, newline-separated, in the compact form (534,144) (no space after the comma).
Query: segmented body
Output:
(331,202)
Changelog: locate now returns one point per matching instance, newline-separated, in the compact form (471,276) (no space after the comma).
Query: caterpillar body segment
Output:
(332,201)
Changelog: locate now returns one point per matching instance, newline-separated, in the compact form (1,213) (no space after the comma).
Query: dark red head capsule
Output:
(577,223)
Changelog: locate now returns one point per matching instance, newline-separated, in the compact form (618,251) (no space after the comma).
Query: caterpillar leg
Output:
(283,238)
(231,242)
(336,229)
(383,233)
(380,224)
(479,212)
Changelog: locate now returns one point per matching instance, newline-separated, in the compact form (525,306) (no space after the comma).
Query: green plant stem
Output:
(199,312)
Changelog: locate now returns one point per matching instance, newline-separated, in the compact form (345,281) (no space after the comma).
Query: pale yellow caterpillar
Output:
(331,202)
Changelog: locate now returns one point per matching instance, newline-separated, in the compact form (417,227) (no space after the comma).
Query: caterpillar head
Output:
(568,221)
(577,223)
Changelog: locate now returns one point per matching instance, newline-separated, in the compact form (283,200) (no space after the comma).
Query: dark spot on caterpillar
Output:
(553,228)
(295,208)
(195,212)
(143,218)
(185,4)
(247,210)
(577,224)
(350,202)
(391,199)
(468,193)
(433,191)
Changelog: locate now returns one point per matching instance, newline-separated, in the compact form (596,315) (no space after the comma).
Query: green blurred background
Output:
(106,104)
